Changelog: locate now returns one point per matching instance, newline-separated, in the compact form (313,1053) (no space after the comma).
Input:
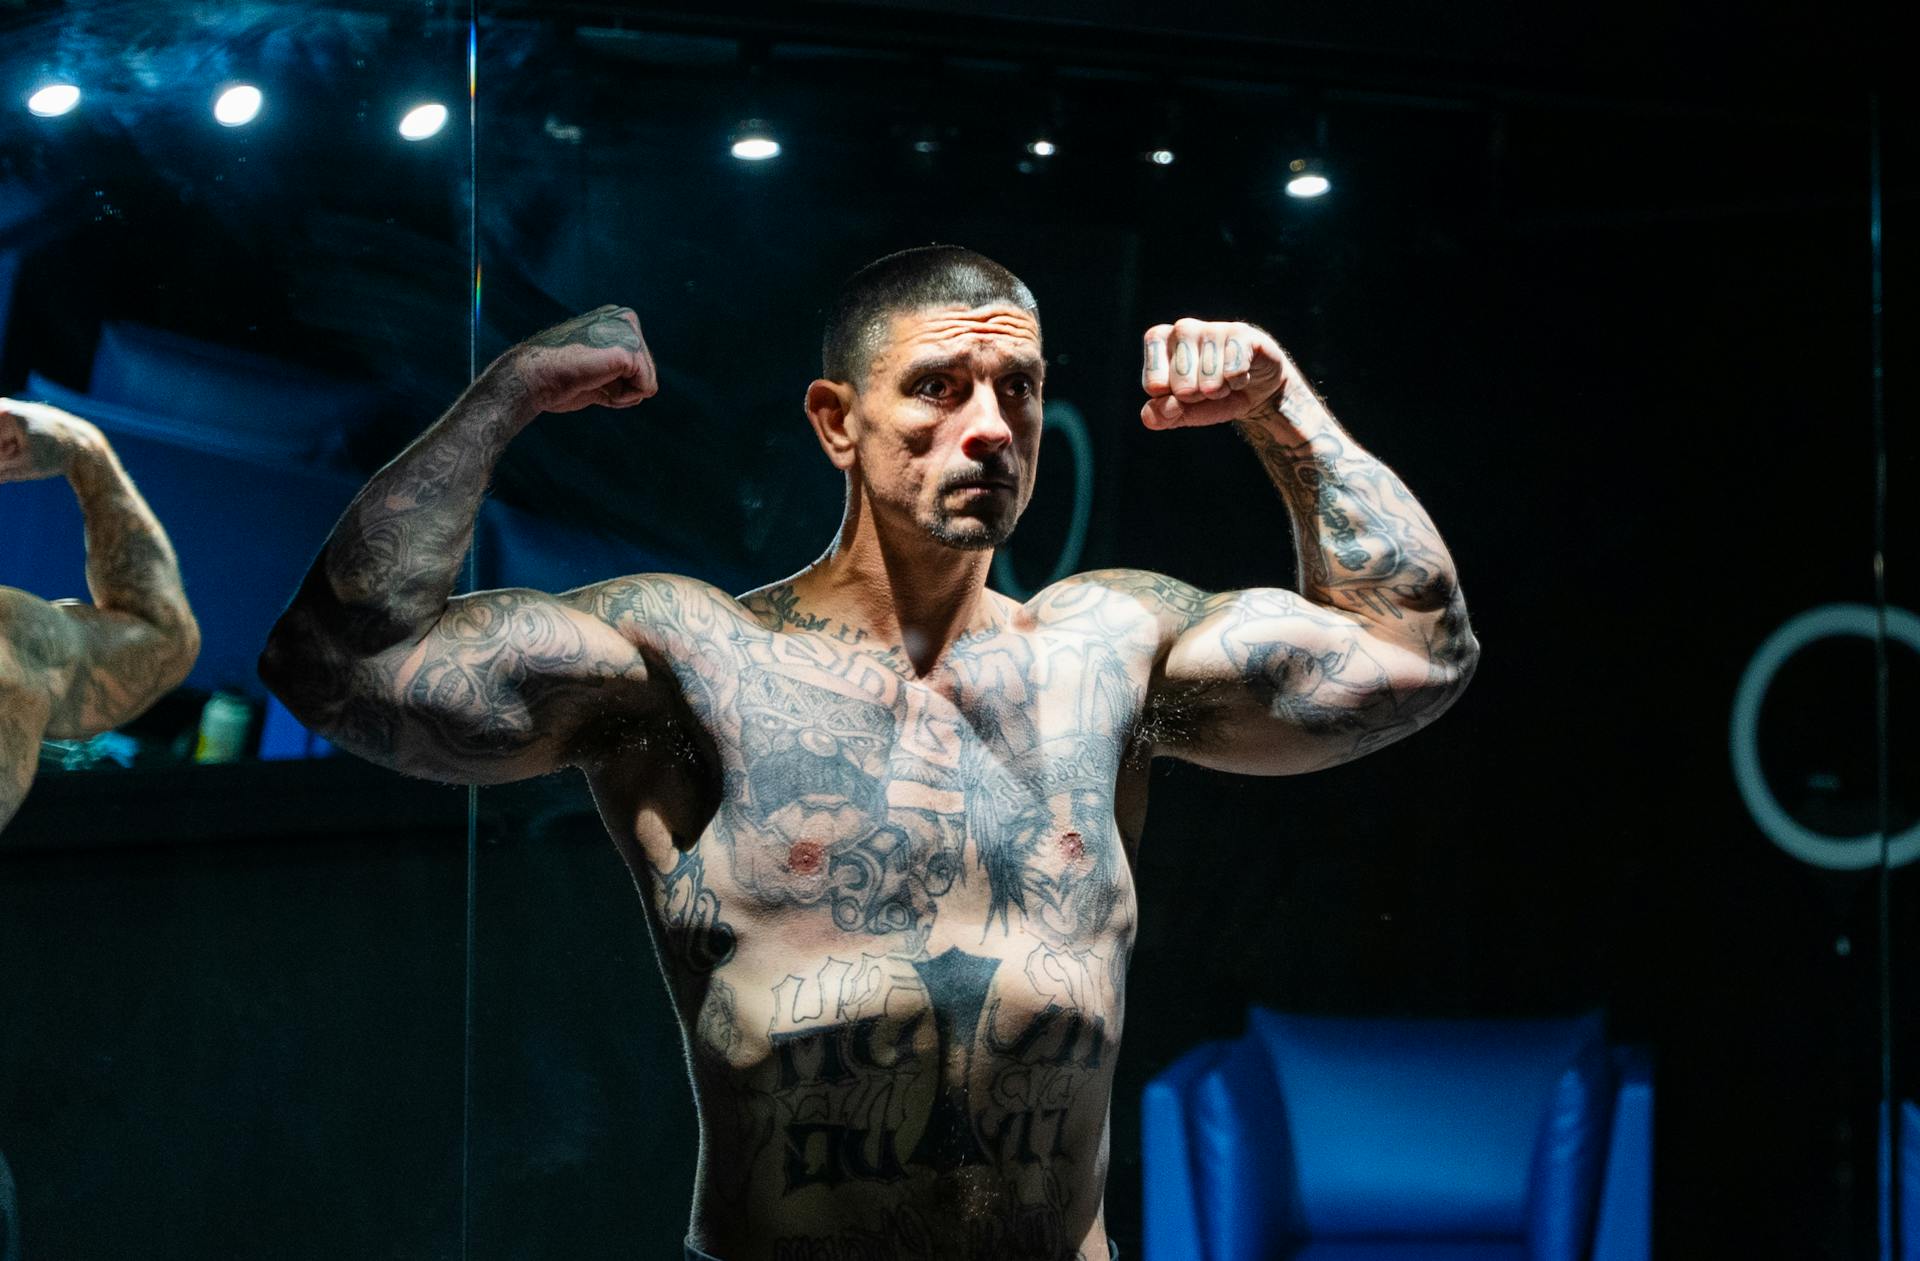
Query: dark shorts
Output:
(694,1254)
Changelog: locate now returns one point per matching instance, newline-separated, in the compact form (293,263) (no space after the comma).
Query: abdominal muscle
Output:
(950,1105)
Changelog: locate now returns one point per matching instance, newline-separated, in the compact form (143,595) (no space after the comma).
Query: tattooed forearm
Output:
(1364,543)
(392,562)
(100,665)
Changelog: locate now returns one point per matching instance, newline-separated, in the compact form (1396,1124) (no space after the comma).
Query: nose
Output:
(987,431)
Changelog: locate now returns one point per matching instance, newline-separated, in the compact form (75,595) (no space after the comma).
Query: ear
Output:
(830,409)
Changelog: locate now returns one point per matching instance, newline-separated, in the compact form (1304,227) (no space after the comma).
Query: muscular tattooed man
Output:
(69,670)
(884,819)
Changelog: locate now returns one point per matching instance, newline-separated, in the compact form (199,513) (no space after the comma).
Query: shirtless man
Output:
(883,819)
(70,670)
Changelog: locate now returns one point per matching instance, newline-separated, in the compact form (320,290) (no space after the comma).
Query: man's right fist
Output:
(39,441)
(596,359)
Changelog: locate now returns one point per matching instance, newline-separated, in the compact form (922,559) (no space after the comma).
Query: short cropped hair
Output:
(911,280)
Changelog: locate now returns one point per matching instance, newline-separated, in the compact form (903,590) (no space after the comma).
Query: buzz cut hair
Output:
(902,283)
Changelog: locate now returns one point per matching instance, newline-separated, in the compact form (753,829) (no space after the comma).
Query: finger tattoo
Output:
(1183,358)
(1209,358)
(1153,356)
(1234,351)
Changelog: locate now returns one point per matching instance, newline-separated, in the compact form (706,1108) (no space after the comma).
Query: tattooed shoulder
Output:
(659,607)
(1121,604)
(34,637)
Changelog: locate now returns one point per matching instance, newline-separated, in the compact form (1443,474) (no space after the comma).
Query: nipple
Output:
(1072,846)
(804,858)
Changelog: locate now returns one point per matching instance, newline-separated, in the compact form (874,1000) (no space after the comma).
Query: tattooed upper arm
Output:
(505,684)
(1266,682)
(95,667)
(1261,681)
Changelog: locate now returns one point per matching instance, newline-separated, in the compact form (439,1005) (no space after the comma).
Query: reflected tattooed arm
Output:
(1376,643)
(69,670)
(376,654)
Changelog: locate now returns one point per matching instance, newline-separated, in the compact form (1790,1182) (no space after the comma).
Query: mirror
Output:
(233,1016)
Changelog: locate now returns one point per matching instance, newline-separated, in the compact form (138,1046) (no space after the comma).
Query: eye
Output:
(1020,386)
(934,388)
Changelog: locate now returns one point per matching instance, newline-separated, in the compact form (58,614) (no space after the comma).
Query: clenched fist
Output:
(39,441)
(1201,372)
(596,359)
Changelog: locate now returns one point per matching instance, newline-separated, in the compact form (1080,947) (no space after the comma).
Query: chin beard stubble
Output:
(971,534)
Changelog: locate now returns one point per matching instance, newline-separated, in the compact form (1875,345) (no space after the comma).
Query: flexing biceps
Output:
(1264,682)
(69,671)
(504,685)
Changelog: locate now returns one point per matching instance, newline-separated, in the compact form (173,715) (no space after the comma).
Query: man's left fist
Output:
(1200,372)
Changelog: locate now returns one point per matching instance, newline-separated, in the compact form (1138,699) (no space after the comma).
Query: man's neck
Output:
(902,588)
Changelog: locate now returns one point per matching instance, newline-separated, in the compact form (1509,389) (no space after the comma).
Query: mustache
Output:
(1001,471)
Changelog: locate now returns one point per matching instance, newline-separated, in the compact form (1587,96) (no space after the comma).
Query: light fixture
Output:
(753,141)
(238,105)
(54,100)
(1041,148)
(1306,178)
(423,121)
(1161,157)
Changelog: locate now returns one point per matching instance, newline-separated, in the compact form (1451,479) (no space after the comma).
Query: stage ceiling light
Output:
(238,105)
(753,142)
(423,121)
(1041,148)
(1161,157)
(1306,178)
(54,100)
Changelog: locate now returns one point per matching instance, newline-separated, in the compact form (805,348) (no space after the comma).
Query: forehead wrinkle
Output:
(1006,333)
(995,360)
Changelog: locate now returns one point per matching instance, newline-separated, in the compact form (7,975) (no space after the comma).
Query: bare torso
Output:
(895,914)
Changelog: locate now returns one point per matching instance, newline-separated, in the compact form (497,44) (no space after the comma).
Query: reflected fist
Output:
(38,441)
(596,359)
(1202,372)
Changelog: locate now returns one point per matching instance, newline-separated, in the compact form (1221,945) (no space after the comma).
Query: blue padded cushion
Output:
(1416,1128)
(1411,1250)
(227,401)
(1243,1168)
(1909,1193)
(1570,1151)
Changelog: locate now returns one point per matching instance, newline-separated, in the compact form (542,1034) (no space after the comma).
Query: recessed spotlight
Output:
(54,100)
(753,142)
(238,105)
(1161,157)
(1041,148)
(926,146)
(423,121)
(1306,179)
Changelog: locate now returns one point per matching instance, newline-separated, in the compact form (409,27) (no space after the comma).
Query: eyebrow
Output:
(1032,365)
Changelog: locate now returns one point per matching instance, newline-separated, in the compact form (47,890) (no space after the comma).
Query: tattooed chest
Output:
(883,811)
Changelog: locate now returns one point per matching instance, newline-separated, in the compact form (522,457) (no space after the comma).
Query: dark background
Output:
(1598,287)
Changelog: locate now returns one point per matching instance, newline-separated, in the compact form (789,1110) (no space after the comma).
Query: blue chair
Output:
(1314,1138)
(1908,1165)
